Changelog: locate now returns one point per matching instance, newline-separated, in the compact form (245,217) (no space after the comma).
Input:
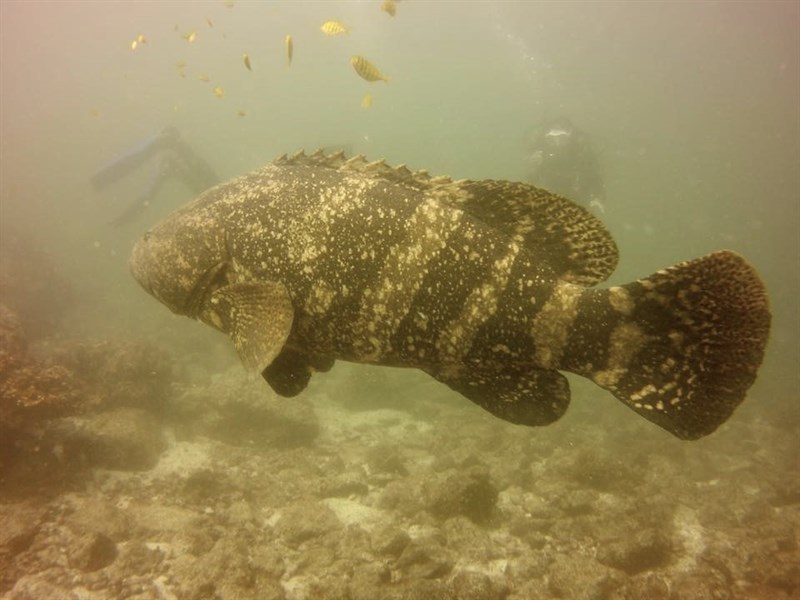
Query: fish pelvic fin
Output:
(289,373)
(681,347)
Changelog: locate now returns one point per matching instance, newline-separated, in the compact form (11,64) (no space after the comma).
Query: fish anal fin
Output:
(531,397)
(258,318)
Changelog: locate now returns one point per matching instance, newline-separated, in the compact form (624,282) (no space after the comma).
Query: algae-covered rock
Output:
(92,551)
(31,390)
(58,412)
(119,373)
(225,571)
(647,549)
(467,492)
(241,412)
(425,558)
(19,525)
(389,540)
(306,520)
(124,439)
(473,585)
(12,338)
(30,281)
(577,576)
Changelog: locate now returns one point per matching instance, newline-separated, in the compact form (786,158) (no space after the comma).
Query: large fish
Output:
(485,285)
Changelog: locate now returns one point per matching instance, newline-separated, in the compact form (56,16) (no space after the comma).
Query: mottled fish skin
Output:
(484,285)
(379,283)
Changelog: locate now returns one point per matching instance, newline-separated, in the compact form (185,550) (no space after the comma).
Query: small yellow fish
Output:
(389,7)
(333,28)
(134,44)
(204,78)
(141,39)
(190,37)
(366,101)
(241,113)
(289,49)
(180,64)
(218,92)
(228,3)
(210,22)
(366,70)
(246,60)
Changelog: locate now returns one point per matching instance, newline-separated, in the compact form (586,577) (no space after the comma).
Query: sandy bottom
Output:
(425,496)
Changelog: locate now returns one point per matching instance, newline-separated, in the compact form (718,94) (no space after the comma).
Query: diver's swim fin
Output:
(133,158)
(143,200)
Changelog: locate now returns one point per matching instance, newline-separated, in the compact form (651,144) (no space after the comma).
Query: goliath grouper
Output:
(485,285)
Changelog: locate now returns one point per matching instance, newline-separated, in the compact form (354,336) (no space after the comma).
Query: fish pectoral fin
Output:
(525,397)
(290,372)
(257,317)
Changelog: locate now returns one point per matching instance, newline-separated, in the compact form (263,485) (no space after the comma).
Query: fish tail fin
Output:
(683,345)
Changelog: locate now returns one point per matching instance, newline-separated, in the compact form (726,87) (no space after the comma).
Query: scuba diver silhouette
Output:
(176,161)
(563,161)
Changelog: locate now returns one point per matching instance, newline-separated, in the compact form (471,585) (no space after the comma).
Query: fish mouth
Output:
(165,274)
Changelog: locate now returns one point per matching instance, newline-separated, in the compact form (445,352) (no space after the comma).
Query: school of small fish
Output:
(331,28)
(389,7)
(366,70)
(138,40)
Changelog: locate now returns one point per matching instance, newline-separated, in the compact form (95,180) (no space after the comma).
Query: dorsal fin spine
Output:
(558,232)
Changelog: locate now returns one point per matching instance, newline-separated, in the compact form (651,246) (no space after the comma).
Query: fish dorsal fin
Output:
(418,180)
(558,232)
(565,236)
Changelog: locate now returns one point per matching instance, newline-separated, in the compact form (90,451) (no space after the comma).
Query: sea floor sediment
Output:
(376,484)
